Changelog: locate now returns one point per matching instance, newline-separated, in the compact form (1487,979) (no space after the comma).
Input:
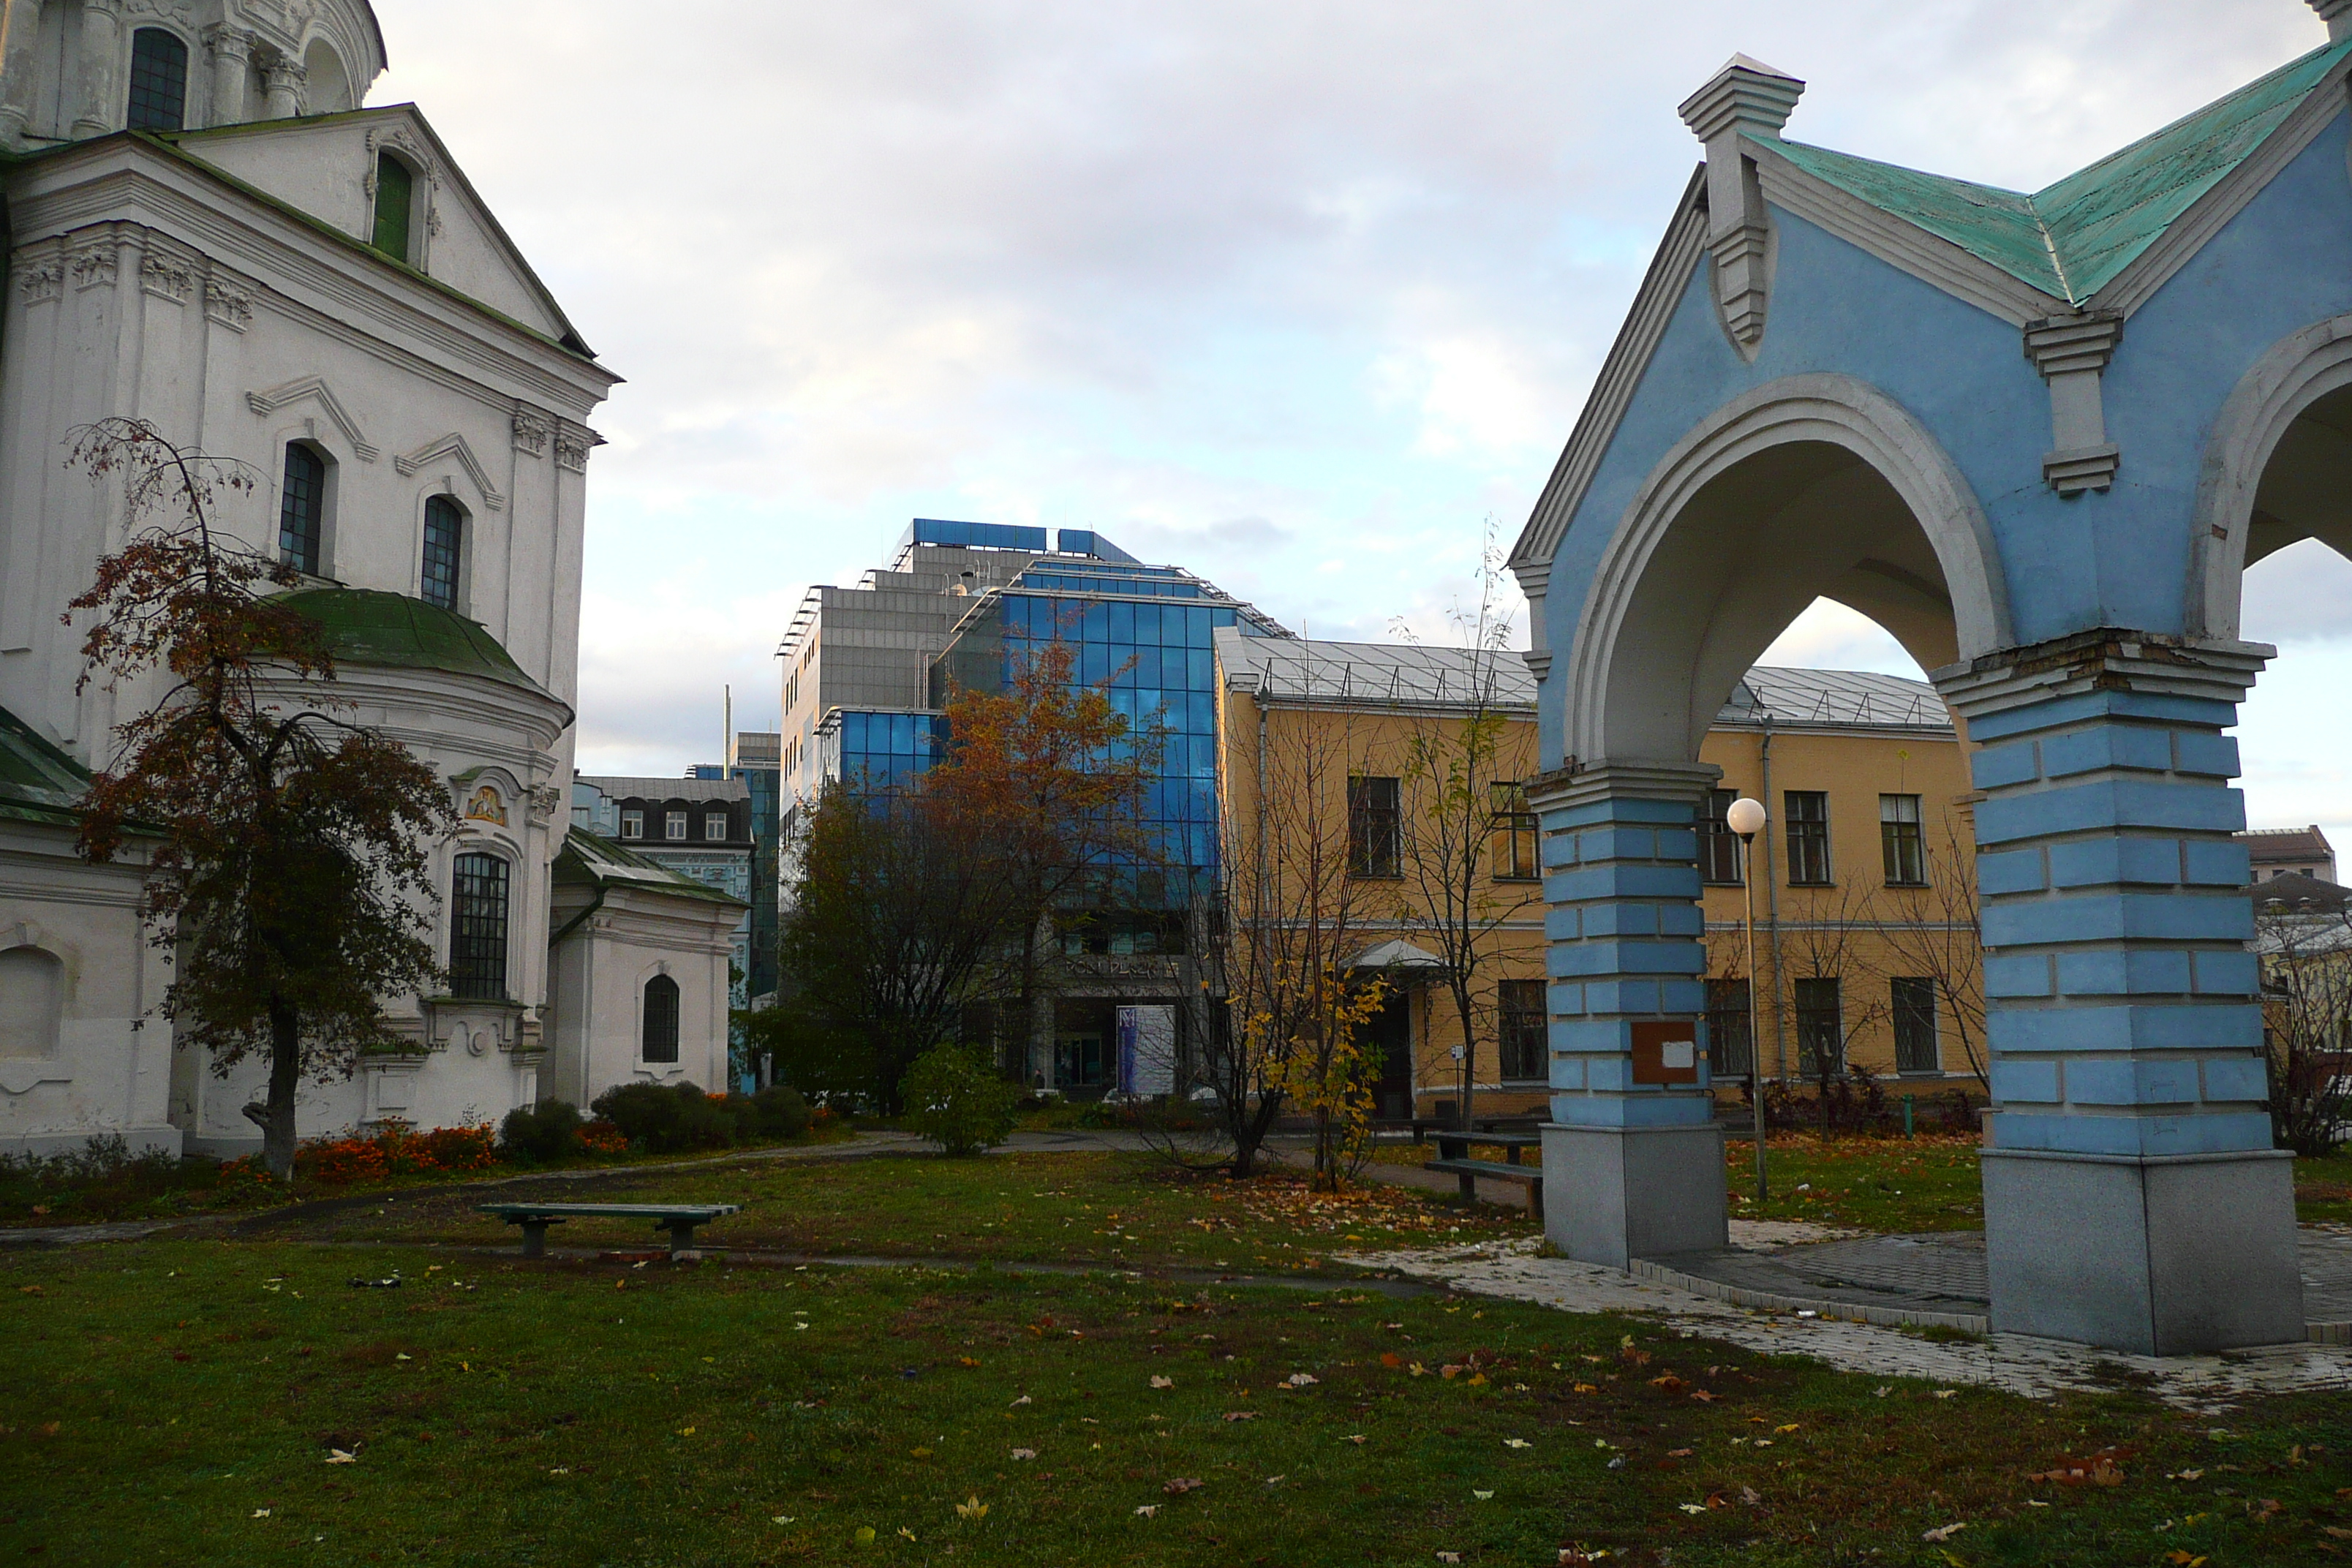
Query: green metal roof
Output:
(38,782)
(2071,238)
(393,631)
(591,859)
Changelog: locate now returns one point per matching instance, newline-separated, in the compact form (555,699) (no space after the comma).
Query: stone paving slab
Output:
(2014,1363)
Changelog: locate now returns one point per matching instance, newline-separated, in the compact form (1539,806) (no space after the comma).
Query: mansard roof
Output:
(2072,238)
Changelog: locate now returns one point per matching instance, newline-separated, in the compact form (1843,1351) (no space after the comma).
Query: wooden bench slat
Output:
(1467,1173)
(617,1211)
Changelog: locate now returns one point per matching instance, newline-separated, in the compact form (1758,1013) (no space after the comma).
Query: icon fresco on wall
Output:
(485,804)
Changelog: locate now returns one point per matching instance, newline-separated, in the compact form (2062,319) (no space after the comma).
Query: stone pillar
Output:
(2132,1196)
(1633,1166)
(284,88)
(20,68)
(101,39)
(232,52)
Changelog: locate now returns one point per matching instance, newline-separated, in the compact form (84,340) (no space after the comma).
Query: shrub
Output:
(601,1137)
(779,1112)
(955,1098)
(542,1134)
(666,1121)
(337,1162)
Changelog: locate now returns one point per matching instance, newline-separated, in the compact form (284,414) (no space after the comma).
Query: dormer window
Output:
(395,190)
(674,825)
(714,827)
(633,825)
(159,80)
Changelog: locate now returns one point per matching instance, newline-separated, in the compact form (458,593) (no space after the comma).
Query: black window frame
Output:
(1375,827)
(1805,828)
(1718,847)
(1902,844)
(1820,1022)
(1911,1002)
(1522,1032)
(657,1027)
(158,96)
(1517,858)
(480,916)
(443,552)
(1730,1035)
(302,509)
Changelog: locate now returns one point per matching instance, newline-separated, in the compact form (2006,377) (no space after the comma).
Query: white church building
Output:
(205,231)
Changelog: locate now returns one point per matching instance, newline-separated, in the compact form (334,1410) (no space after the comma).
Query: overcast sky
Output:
(1296,294)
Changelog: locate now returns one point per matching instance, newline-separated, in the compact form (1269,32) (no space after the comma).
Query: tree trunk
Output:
(1469,1053)
(276,1118)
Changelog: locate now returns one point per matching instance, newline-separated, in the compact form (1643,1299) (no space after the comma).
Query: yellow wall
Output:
(1311,752)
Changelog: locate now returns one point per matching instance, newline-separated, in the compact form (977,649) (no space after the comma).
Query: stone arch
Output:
(1816,485)
(2274,471)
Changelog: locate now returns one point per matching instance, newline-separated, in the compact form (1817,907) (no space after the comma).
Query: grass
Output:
(572,1412)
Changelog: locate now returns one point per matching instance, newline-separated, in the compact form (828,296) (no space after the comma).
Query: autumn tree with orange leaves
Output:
(290,870)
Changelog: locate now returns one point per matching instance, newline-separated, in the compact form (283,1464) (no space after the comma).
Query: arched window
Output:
(477,936)
(661,1019)
(32,1002)
(302,509)
(445,532)
(394,189)
(159,80)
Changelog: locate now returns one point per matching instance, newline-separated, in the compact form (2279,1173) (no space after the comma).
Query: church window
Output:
(477,941)
(159,80)
(302,511)
(661,1019)
(445,528)
(394,190)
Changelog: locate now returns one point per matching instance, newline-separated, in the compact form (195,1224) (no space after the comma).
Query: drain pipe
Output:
(1773,913)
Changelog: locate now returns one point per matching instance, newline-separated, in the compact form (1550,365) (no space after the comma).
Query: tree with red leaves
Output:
(290,878)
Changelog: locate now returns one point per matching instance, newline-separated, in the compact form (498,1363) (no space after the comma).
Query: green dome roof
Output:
(393,631)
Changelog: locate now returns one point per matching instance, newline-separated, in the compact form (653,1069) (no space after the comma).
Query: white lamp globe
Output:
(1745,817)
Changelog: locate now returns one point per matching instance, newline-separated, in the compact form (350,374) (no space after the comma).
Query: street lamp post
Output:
(1746,818)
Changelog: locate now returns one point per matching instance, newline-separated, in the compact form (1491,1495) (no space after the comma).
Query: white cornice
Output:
(1900,243)
(375,306)
(1612,390)
(2184,236)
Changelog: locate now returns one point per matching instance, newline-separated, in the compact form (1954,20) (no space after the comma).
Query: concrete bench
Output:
(1527,1177)
(679,1219)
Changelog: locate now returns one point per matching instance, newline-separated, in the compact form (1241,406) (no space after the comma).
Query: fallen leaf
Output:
(1587,1388)
(1419,1370)
(1025,1453)
(864,1535)
(1302,1380)
(1944,1532)
(1680,1453)
(1449,1557)
(1163,1382)
(1703,1396)
(966,1361)
(2186,1475)
(1389,1358)
(781,1519)
(1692,1507)
(1789,1427)
(1022,1400)
(1241,1415)
(261,1513)
(685,1431)
(918,1453)
(1749,1496)
(560,1470)
(1517,1442)
(1946,1393)
(1147,1511)
(905,1531)
(1669,1382)
(341,1457)
(1182,1485)
(1355,1437)
(1482,1497)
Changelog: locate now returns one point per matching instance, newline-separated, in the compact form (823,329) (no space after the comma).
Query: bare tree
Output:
(1933,933)
(1825,943)
(1463,763)
(2305,950)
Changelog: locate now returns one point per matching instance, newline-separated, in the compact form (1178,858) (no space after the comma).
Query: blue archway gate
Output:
(2037,436)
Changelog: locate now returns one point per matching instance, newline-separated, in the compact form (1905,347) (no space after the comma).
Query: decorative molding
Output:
(227,303)
(573,445)
(41,279)
(1747,98)
(167,276)
(1584,784)
(2072,352)
(2211,669)
(1612,391)
(225,42)
(96,266)
(313,386)
(2338,15)
(453,445)
(531,430)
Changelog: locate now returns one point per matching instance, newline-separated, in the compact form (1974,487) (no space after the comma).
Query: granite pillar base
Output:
(1614,1193)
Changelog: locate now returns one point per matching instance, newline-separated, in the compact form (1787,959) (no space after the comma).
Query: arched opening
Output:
(659,1044)
(32,1002)
(395,199)
(302,509)
(441,573)
(159,80)
(326,86)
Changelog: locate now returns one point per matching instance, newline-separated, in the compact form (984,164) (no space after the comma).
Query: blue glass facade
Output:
(875,751)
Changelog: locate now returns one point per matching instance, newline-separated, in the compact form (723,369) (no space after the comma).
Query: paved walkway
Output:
(2036,1368)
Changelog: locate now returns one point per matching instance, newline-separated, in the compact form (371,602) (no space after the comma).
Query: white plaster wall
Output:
(594,1027)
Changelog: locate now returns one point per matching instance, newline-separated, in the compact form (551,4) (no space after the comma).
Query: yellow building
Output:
(1371,821)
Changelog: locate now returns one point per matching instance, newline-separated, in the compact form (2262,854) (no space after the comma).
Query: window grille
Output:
(661,1019)
(1515,835)
(445,528)
(1730,1044)
(1820,1028)
(301,510)
(1806,822)
(1898,835)
(477,940)
(1525,1040)
(1914,1002)
(1375,822)
(1718,847)
(159,80)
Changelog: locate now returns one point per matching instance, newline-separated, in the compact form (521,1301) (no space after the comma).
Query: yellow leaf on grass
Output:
(864,1535)
(1163,1382)
(1789,1427)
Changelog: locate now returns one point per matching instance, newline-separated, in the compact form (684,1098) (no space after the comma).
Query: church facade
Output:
(205,231)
